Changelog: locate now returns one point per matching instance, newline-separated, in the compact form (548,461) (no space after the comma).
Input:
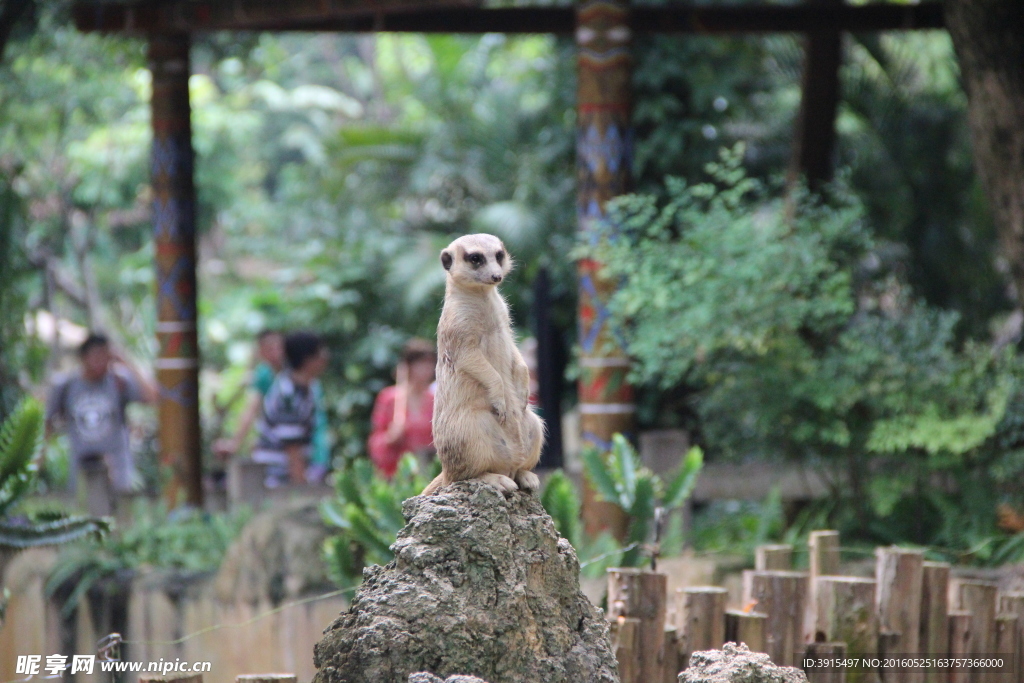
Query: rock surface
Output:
(480,585)
(423,677)
(277,557)
(737,664)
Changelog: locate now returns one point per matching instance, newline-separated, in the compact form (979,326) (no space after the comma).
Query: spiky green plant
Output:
(619,478)
(20,437)
(368,513)
(596,554)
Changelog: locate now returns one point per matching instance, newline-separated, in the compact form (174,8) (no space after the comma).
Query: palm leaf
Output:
(625,458)
(680,488)
(19,438)
(29,535)
(599,474)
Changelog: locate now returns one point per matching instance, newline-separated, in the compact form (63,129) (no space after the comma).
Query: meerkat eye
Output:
(500,256)
(475,259)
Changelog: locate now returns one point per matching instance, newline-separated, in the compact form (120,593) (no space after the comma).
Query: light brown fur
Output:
(483,425)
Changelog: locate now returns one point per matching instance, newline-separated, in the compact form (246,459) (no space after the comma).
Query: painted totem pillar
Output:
(177,367)
(603,167)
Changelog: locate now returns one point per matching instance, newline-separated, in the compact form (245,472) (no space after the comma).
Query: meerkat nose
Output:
(496,277)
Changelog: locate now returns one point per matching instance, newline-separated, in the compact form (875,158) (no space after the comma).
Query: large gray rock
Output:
(737,664)
(480,585)
(424,677)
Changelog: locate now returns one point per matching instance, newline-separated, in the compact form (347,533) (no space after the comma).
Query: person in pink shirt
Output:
(402,413)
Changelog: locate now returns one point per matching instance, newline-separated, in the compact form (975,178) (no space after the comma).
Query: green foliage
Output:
(561,501)
(187,541)
(798,338)
(368,512)
(619,478)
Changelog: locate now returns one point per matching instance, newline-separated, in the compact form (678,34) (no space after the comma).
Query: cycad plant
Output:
(20,437)
(368,513)
(619,478)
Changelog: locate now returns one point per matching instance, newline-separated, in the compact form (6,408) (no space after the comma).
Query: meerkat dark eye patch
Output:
(475,258)
(500,256)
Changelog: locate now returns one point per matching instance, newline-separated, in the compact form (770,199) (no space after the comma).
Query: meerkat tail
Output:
(438,482)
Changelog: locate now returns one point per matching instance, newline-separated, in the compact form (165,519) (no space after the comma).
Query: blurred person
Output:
(90,404)
(402,412)
(270,357)
(287,424)
(271,360)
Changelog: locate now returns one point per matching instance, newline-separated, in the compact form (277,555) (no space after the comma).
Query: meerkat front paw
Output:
(498,481)
(527,481)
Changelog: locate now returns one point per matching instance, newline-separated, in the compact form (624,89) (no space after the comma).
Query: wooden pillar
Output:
(899,573)
(781,596)
(700,614)
(814,142)
(177,366)
(845,613)
(603,169)
(934,622)
(639,594)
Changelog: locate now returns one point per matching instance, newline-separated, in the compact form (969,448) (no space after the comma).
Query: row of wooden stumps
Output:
(911,608)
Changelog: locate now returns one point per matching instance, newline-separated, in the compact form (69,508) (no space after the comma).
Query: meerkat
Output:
(483,425)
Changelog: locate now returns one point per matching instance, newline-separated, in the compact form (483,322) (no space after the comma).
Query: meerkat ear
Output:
(446,259)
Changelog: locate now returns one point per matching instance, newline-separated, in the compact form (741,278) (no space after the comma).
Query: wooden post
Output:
(823,560)
(641,595)
(1006,644)
(979,599)
(700,611)
(171,678)
(782,597)
(747,628)
(933,638)
(845,612)
(899,573)
(671,665)
(603,161)
(174,231)
(959,643)
(625,636)
(815,139)
(266,678)
(835,674)
(1013,604)
(773,557)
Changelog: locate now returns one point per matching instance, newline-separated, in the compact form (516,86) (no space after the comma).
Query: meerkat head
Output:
(476,260)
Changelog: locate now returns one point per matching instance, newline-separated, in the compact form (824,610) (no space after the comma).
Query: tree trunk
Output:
(989,39)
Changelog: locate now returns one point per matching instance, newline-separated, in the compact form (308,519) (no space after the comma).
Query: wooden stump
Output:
(845,612)
(933,638)
(782,596)
(671,665)
(773,558)
(1013,604)
(899,573)
(1007,626)
(823,560)
(642,595)
(747,628)
(978,598)
(959,643)
(700,612)
(825,651)
(624,633)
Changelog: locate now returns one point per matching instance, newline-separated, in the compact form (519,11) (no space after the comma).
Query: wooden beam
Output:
(186,16)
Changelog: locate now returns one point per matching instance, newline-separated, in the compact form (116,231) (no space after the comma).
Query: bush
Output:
(798,339)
